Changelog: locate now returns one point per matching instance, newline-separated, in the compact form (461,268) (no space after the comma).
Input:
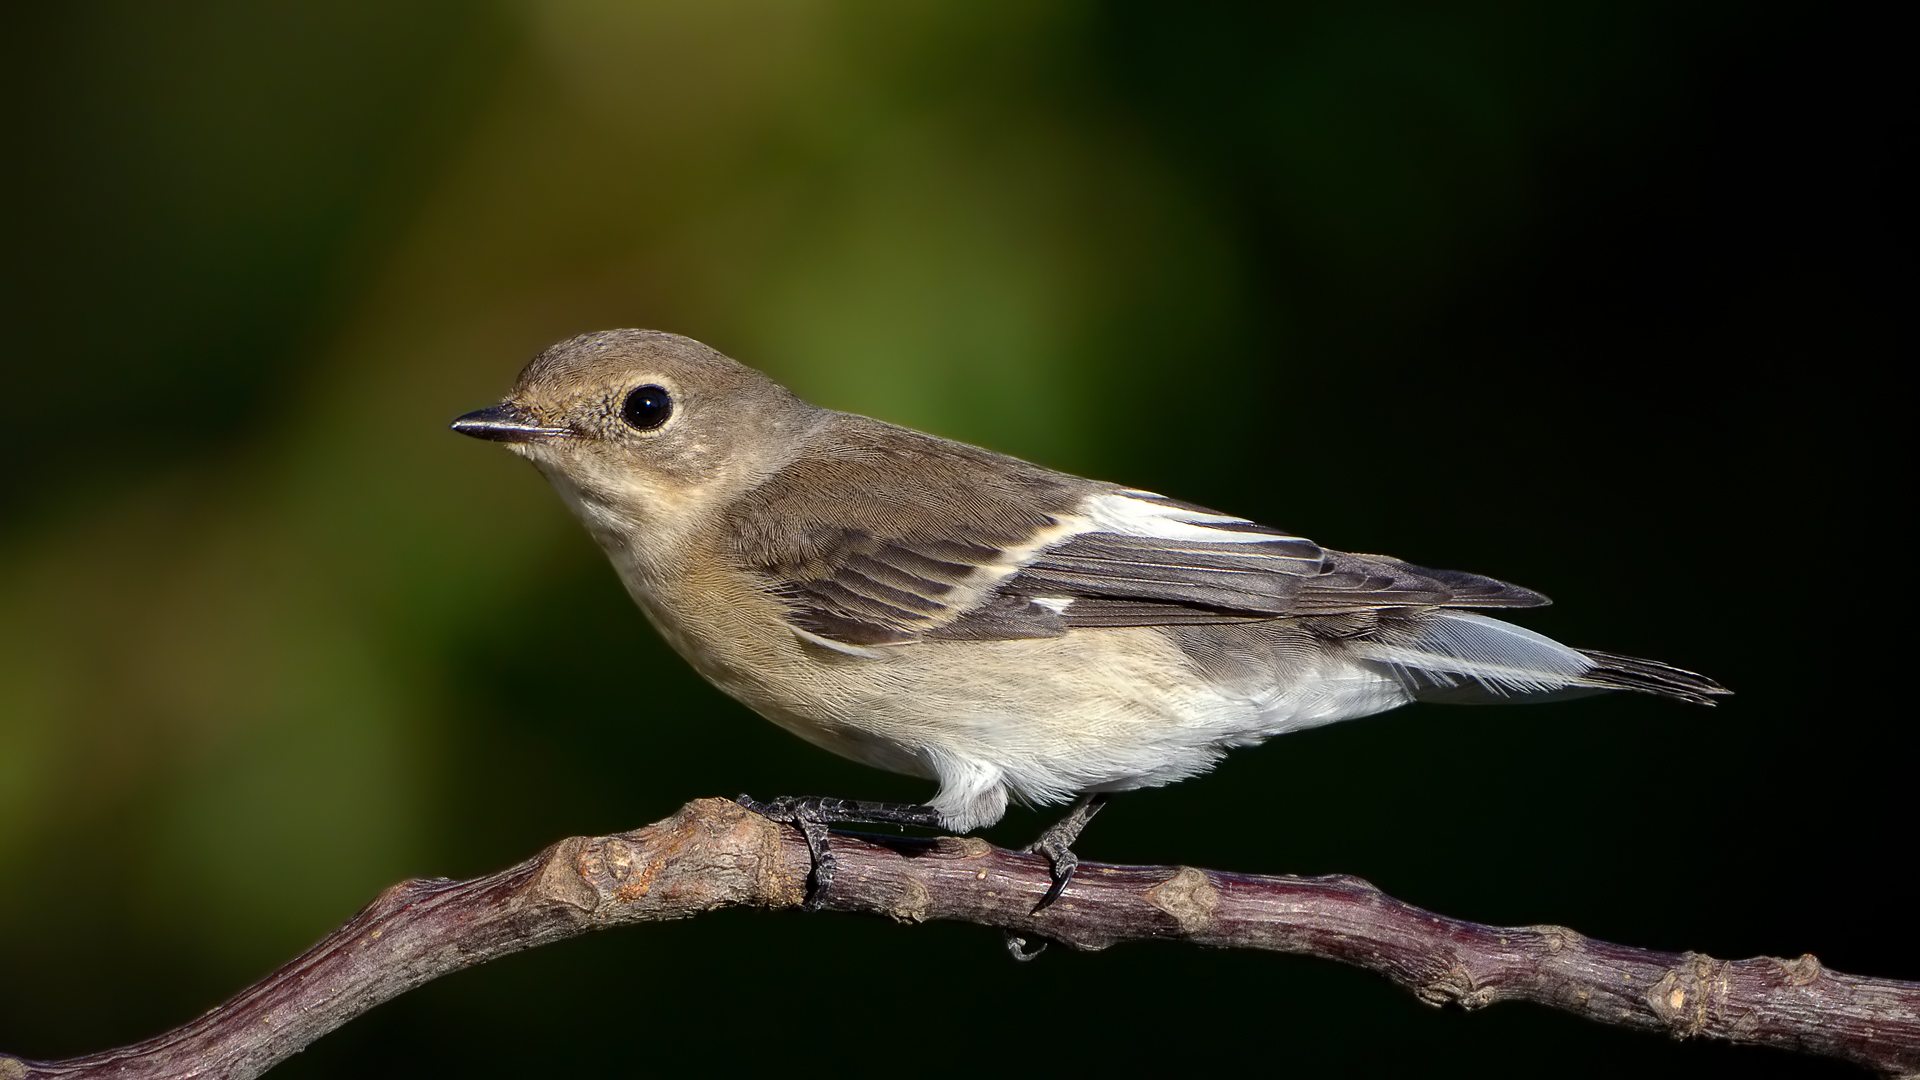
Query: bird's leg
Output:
(1057,845)
(812,814)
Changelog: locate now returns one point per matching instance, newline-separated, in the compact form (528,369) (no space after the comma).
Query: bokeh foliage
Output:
(1590,296)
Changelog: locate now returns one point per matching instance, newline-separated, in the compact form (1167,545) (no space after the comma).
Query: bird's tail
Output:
(1458,656)
(1616,672)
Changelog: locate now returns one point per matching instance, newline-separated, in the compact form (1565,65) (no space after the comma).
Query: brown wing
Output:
(884,536)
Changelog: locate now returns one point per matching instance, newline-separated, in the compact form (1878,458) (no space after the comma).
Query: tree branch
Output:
(713,854)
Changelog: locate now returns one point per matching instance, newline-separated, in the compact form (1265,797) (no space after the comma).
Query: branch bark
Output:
(713,854)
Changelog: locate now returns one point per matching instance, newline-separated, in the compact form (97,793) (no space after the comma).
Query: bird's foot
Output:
(1057,845)
(811,814)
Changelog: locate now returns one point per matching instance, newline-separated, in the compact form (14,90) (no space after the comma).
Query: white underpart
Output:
(1067,736)
(1117,710)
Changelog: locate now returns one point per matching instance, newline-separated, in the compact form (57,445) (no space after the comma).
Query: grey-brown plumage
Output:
(1002,628)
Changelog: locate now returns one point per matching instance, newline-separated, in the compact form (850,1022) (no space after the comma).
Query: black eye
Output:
(647,408)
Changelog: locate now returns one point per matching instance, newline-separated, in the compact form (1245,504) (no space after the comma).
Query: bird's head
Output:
(644,430)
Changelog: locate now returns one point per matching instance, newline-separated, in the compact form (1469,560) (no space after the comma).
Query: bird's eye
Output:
(647,408)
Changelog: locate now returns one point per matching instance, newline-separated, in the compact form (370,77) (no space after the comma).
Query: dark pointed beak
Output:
(508,423)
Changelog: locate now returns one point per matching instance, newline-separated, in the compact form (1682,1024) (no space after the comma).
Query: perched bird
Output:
(1008,631)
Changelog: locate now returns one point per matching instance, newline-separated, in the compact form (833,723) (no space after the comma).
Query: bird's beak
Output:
(509,422)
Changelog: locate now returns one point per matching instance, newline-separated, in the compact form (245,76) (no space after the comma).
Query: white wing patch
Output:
(1160,552)
(1132,512)
(865,652)
(1128,512)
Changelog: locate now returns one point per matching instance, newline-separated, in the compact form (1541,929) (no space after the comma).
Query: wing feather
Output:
(988,547)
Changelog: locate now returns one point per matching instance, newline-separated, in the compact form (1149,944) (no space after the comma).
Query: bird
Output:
(1008,631)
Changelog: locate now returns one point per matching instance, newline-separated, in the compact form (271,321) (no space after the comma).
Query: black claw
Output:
(812,814)
(820,875)
(1062,865)
(1057,845)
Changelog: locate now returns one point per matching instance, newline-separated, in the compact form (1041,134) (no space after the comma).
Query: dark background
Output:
(1594,297)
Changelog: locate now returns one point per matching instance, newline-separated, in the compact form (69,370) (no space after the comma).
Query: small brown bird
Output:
(1005,630)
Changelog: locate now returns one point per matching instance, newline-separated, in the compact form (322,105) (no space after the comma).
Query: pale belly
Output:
(1039,720)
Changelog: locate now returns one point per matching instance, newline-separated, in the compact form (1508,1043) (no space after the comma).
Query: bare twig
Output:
(713,854)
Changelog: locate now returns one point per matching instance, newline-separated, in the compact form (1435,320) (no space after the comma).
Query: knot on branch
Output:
(1457,986)
(1804,971)
(914,904)
(1683,998)
(710,854)
(1556,939)
(1188,896)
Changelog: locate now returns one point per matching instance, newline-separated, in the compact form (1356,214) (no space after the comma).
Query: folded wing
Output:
(988,547)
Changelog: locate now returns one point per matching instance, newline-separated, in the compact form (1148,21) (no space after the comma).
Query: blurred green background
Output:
(1595,297)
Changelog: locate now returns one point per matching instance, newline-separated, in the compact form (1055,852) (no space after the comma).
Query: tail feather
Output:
(1459,656)
(1616,672)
